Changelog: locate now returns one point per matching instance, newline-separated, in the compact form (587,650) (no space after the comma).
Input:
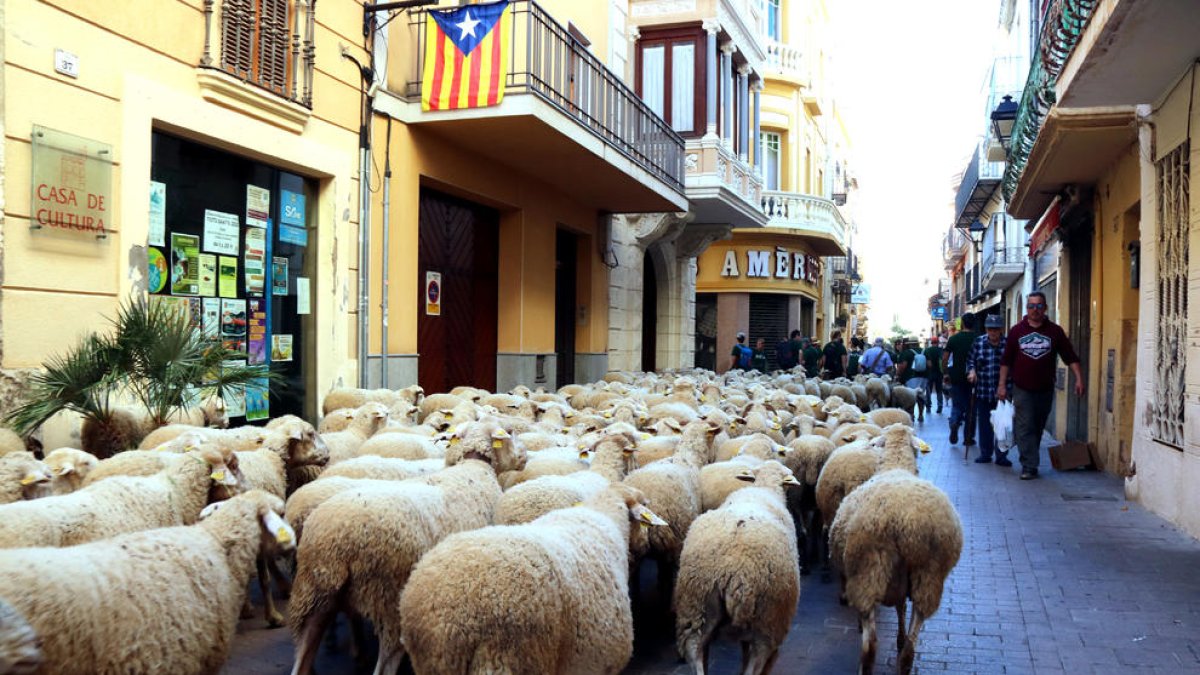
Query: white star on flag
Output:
(467,26)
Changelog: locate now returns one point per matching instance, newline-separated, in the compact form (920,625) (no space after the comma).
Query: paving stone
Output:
(1043,586)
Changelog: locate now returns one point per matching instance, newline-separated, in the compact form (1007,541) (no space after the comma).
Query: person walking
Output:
(758,360)
(933,356)
(834,357)
(983,371)
(876,360)
(741,354)
(812,359)
(788,351)
(1030,355)
(918,377)
(954,364)
(904,361)
(855,355)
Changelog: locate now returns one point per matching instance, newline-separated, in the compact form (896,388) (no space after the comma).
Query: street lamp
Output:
(976,232)
(1003,118)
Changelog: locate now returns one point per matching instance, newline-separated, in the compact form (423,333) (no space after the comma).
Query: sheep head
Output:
(487,441)
(369,418)
(34,475)
(277,535)
(770,474)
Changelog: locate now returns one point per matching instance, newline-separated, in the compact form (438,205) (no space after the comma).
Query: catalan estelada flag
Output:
(466,56)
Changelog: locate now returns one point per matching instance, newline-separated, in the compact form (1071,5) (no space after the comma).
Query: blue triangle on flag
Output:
(467,26)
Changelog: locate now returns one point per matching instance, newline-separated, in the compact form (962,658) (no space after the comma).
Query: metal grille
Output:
(261,43)
(1172,289)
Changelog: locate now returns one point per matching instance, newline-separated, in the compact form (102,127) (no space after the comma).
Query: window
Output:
(771,153)
(669,78)
(1171,339)
(774,21)
(260,42)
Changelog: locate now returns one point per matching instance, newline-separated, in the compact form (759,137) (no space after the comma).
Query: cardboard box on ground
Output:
(1075,455)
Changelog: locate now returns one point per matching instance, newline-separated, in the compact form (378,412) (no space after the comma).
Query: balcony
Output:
(979,183)
(845,267)
(722,189)
(1003,266)
(260,63)
(954,245)
(816,217)
(564,116)
(785,62)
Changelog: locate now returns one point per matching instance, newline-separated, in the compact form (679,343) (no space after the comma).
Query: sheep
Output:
(20,646)
(125,429)
(338,399)
(210,413)
(904,398)
(672,490)
(23,476)
(652,449)
(739,572)
(99,607)
(345,444)
(336,420)
(611,455)
(70,467)
(878,393)
(384,468)
(10,442)
(886,417)
(719,479)
(553,462)
(676,410)
(174,496)
(360,545)
(435,402)
(848,433)
(401,446)
(896,538)
(806,456)
(546,597)
(861,399)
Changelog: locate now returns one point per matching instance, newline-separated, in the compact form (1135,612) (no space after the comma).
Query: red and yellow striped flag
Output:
(466,56)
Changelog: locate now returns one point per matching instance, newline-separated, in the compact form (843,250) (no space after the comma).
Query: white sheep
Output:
(885,417)
(360,545)
(720,479)
(611,458)
(70,467)
(344,445)
(174,496)
(879,393)
(99,607)
(739,571)
(20,646)
(23,476)
(546,597)
(384,468)
(400,445)
(552,462)
(896,538)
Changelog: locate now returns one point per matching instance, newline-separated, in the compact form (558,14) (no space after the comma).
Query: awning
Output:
(1045,227)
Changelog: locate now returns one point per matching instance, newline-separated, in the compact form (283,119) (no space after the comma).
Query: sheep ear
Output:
(66,469)
(210,509)
(278,527)
(641,514)
(747,476)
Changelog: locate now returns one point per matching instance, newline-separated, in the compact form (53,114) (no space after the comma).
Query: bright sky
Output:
(909,78)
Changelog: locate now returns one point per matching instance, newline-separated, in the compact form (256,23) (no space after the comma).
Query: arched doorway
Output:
(649,313)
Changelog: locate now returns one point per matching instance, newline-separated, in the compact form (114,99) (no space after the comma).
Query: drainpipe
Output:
(364,214)
(383,301)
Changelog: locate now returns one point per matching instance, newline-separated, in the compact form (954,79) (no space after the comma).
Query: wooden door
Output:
(566,269)
(459,240)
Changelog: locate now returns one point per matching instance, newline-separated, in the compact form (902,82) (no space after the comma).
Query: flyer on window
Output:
(255,260)
(185,264)
(258,401)
(258,206)
(281,347)
(257,343)
(303,298)
(211,322)
(220,232)
(156,270)
(233,324)
(208,275)
(158,214)
(227,276)
(235,401)
(279,276)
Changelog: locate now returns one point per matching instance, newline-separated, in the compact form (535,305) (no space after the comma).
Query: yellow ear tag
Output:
(282,536)
(607,415)
(645,437)
(28,480)
(862,418)
(218,475)
(454,440)
(924,447)
(497,443)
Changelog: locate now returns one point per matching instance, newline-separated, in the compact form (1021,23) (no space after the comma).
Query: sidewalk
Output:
(1057,575)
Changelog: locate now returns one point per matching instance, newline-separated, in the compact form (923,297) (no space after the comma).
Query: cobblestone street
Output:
(1058,575)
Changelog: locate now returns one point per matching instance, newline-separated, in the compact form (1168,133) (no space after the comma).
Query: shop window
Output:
(1171,339)
(230,244)
(772,147)
(670,78)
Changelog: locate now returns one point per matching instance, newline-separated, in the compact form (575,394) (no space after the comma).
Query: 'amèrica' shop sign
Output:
(778,264)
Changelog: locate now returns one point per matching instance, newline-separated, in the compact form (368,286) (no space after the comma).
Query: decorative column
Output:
(727,93)
(743,90)
(710,76)
(757,138)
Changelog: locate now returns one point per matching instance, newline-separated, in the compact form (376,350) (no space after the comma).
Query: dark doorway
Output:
(566,269)
(768,320)
(649,314)
(1080,252)
(706,331)
(459,240)
(808,317)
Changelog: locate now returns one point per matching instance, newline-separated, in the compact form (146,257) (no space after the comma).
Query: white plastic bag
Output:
(1002,424)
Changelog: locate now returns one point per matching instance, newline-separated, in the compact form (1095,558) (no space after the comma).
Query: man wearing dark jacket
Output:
(1030,357)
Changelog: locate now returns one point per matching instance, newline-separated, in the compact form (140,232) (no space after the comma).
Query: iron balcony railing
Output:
(546,61)
(844,267)
(1013,255)
(266,43)
(979,183)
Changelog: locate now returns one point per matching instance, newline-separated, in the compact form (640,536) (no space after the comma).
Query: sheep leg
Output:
(901,612)
(309,640)
(358,638)
(390,657)
(758,656)
(272,615)
(866,664)
(282,583)
(905,662)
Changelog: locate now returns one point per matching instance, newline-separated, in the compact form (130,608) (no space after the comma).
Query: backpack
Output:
(783,353)
(744,356)
(920,363)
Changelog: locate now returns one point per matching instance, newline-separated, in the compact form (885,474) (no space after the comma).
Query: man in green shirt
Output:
(954,365)
(904,361)
(812,360)
(933,356)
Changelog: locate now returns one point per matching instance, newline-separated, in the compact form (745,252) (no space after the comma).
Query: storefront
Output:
(763,283)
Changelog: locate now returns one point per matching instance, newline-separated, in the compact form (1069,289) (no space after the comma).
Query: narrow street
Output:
(1058,575)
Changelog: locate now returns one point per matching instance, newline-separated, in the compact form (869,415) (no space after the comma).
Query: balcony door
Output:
(670,77)
(771,148)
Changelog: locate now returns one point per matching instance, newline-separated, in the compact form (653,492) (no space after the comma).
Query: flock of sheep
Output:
(478,532)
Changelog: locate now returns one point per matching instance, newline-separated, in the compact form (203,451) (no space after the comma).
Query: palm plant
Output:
(153,355)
